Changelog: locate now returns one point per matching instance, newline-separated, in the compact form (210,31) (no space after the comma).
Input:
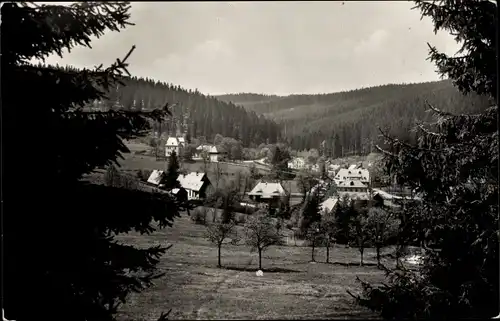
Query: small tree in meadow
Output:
(222,233)
(261,233)
(329,230)
(315,236)
(359,234)
(381,225)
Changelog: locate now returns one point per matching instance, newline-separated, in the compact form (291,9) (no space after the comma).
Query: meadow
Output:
(291,288)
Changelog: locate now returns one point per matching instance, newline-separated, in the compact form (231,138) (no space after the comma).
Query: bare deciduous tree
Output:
(261,233)
(329,230)
(381,225)
(315,236)
(359,235)
(222,233)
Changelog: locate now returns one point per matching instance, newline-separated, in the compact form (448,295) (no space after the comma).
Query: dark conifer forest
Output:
(194,113)
(349,121)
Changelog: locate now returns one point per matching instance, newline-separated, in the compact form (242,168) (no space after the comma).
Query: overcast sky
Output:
(272,47)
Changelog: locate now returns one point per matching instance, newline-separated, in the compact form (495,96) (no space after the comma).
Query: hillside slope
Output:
(193,112)
(348,121)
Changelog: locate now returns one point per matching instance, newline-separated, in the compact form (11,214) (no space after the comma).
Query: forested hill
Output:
(204,115)
(349,121)
(248,99)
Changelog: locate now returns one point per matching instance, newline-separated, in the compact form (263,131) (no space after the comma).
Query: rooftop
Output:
(193,181)
(268,190)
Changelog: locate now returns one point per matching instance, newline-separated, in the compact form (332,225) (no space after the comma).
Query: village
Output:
(334,180)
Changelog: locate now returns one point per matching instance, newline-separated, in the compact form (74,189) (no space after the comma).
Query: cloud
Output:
(373,44)
(270,47)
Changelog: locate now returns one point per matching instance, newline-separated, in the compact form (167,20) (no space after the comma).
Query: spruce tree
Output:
(311,212)
(170,177)
(60,256)
(279,161)
(454,166)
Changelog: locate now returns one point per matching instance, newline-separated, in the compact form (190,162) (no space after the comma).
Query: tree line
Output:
(347,123)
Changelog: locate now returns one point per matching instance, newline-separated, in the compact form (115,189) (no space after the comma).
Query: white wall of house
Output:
(170,149)
(192,195)
(214,158)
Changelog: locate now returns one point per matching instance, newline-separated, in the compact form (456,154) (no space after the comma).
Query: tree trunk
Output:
(327,252)
(378,254)
(312,253)
(260,259)
(218,262)
(361,251)
(399,252)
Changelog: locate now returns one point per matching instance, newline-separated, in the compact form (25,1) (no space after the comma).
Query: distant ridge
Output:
(355,115)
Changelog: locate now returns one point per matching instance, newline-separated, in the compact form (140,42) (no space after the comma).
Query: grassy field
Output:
(291,288)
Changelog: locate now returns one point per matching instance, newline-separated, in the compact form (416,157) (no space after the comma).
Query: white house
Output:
(352,186)
(174,144)
(195,184)
(297,163)
(267,192)
(360,174)
(212,152)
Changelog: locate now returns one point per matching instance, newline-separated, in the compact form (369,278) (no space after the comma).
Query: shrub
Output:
(240,219)
(199,215)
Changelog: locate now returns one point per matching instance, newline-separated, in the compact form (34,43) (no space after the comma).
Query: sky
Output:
(272,47)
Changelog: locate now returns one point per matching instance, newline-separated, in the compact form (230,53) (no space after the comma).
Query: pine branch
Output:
(58,27)
(120,210)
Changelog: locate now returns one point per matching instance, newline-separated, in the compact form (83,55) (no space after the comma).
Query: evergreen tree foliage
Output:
(454,166)
(311,212)
(60,256)
(169,179)
(112,176)
(344,213)
(279,161)
(193,113)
